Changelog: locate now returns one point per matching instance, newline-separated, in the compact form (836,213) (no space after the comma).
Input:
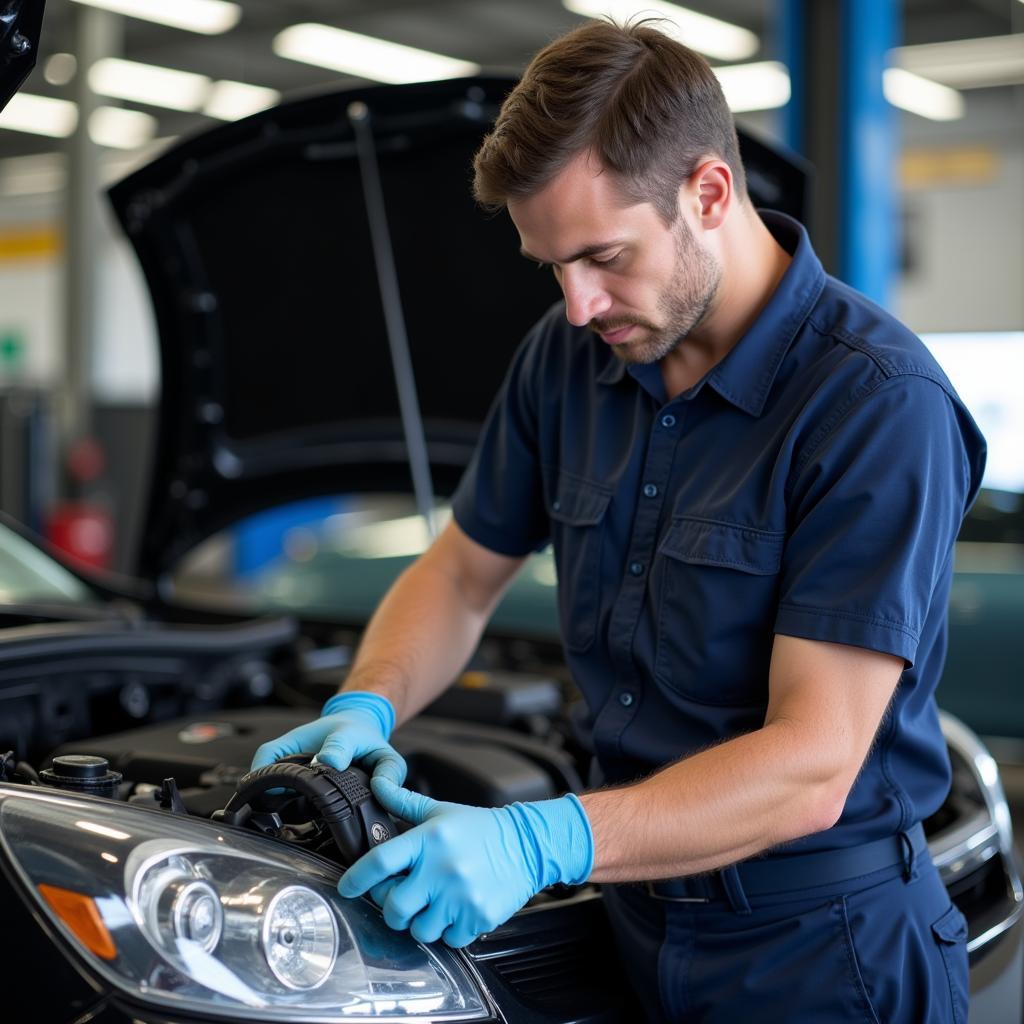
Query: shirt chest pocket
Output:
(577,509)
(717,597)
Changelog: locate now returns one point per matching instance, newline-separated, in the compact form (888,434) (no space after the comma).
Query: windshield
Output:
(30,576)
(336,557)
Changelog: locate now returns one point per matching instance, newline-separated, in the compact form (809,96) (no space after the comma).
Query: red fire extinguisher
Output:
(83,528)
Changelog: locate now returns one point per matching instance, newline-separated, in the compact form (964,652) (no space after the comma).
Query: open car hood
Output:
(20,23)
(276,375)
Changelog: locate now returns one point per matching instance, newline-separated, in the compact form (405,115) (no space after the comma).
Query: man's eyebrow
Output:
(587,250)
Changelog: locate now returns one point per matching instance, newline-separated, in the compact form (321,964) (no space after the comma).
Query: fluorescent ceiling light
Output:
(60,68)
(921,96)
(147,83)
(967,63)
(40,115)
(210,17)
(760,86)
(120,128)
(714,38)
(231,100)
(366,56)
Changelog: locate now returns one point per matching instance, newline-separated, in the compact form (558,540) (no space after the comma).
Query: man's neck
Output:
(753,264)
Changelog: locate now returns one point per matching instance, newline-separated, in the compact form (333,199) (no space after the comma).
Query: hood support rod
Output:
(391,300)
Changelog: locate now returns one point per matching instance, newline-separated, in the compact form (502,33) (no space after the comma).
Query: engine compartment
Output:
(169,698)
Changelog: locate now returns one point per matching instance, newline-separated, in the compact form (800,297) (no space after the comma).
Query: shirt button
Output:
(668,420)
(625,699)
(555,506)
(636,568)
(650,491)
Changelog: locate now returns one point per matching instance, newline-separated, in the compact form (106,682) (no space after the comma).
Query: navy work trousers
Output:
(889,951)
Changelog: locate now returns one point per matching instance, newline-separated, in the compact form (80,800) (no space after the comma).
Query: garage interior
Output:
(893,130)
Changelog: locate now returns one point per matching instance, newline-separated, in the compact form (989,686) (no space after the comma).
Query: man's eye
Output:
(607,261)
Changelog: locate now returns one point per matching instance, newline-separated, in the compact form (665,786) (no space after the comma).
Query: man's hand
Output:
(354,726)
(464,870)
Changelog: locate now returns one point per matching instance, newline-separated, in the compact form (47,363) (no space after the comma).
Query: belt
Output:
(799,872)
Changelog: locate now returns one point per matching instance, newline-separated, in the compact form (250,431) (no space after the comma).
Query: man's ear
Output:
(709,192)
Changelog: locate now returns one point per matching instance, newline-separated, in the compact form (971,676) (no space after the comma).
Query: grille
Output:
(555,972)
(558,963)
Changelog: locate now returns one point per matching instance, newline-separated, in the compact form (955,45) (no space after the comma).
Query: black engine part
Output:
(82,773)
(341,801)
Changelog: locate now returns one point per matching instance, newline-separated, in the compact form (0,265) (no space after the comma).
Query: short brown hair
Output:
(647,106)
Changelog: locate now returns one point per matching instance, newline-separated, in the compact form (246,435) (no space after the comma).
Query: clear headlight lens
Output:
(300,938)
(181,913)
(189,908)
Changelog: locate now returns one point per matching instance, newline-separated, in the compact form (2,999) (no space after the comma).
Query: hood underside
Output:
(20,25)
(276,375)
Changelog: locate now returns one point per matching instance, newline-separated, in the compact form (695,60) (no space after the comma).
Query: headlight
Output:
(183,914)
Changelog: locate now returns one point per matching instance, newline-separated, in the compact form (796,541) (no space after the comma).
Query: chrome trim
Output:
(965,847)
(986,773)
(1000,929)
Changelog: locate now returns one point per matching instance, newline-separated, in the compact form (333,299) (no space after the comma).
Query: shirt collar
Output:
(745,376)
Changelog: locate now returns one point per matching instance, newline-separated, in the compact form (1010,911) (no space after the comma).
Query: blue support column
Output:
(838,118)
(869,224)
(791,28)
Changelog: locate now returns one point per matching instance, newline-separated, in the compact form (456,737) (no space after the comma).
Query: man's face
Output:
(640,285)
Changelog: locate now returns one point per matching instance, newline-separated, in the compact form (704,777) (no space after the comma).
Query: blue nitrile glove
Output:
(469,869)
(353,726)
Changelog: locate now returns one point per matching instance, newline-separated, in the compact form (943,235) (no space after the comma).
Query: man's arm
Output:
(463,870)
(783,781)
(416,643)
(430,621)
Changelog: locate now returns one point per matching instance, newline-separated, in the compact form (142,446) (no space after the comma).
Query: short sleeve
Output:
(875,508)
(499,502)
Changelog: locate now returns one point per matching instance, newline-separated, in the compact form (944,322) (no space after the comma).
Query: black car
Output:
(125,895)
(121,891)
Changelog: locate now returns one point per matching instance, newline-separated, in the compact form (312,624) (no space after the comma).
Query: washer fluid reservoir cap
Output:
(82,773)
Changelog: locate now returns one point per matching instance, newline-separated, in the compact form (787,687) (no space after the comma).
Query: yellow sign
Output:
(927,168)
(31,243)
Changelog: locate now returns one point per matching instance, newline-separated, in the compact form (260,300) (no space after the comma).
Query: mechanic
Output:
(752,478)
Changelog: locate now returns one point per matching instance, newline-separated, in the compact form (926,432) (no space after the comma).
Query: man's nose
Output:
(585,299)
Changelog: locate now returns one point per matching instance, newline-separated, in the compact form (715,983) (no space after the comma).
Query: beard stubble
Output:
(682,306)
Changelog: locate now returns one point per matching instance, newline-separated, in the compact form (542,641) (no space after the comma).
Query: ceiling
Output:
(497,34)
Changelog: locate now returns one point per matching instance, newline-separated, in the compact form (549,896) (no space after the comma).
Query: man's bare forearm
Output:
(718,807)
(770,786)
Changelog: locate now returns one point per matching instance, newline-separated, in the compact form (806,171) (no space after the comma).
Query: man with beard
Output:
(752,478)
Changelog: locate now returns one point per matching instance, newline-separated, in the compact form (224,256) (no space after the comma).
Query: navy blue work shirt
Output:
(811,484)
